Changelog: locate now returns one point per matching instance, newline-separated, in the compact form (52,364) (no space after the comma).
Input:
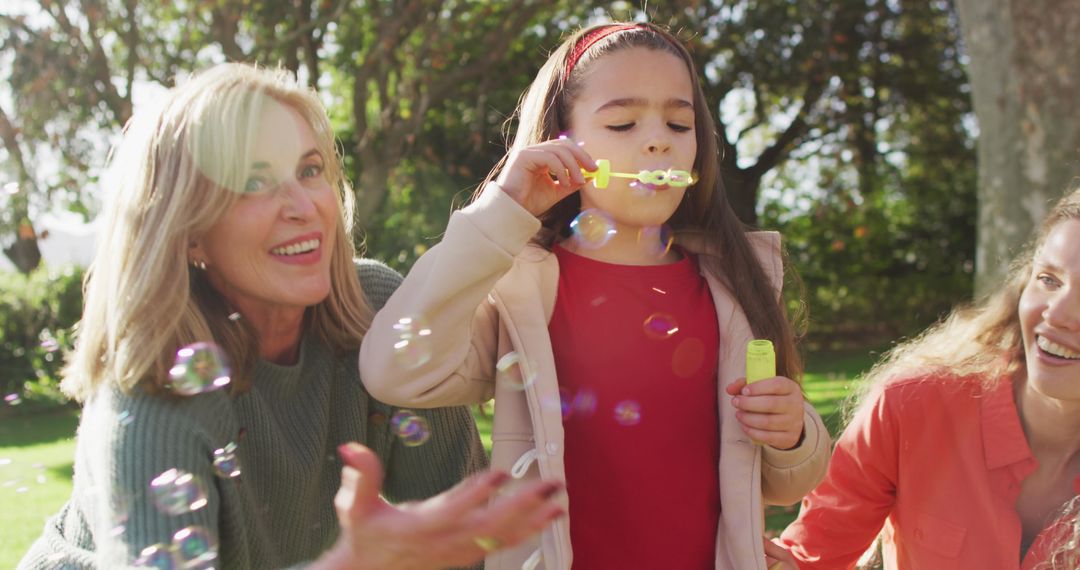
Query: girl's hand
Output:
(540,175)
(456,528)
(770,411)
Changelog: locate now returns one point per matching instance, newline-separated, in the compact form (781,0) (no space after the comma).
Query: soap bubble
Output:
(199,367)
(412,345)
(592,228)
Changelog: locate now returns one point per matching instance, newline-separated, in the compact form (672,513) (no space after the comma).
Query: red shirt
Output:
(636,356)
(941,461)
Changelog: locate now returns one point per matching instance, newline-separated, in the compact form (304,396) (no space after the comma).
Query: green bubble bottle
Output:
(760,361)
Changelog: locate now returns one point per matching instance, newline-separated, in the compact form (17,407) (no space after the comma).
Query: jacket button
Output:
(552,448)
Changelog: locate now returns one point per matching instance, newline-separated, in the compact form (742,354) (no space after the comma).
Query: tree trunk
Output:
(1027,102)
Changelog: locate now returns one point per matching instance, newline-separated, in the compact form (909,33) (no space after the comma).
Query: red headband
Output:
(590,39)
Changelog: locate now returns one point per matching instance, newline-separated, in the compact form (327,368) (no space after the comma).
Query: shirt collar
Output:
(1004,442)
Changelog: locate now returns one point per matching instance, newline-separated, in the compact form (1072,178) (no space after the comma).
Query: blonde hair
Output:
(982,340)
(175,173)
(544,112)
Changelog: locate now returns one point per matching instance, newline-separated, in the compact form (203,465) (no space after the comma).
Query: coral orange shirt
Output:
(940,461)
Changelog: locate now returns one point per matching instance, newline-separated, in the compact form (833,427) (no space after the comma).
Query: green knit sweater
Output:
(279,511)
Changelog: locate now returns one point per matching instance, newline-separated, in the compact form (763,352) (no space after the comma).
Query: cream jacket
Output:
(485,292)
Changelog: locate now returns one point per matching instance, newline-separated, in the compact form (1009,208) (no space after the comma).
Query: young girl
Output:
(615,361)
(966,444)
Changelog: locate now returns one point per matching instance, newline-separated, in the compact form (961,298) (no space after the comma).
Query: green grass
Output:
(36,453)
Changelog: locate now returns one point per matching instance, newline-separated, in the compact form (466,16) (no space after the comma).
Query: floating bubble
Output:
(234,316)
(584,403)
(627,413)
(125,418)
(5,461)
(515,371)
(195,547)
(660,326)
(13,399)
(412,429)
(226,464)
(176,492)
(11,188)
(160,556)
(592,228)
(688,357)
(412,347)
(200,367)
(657,239)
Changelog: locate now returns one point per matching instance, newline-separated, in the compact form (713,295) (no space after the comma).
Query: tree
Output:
(1027,100)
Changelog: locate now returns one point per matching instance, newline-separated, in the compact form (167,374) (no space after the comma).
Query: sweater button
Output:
(377,418)
(552,448)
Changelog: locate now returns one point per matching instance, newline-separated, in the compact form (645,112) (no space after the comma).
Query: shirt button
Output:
(552,448)
(377,418)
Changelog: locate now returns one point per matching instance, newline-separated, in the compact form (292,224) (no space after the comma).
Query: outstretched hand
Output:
(457,528)
(538,176)
(770,411)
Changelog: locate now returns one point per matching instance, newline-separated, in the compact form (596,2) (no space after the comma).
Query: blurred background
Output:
(903,148)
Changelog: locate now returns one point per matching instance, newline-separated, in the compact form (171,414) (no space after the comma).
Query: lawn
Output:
(36,452)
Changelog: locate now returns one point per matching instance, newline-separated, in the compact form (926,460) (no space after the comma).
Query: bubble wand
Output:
(672,178)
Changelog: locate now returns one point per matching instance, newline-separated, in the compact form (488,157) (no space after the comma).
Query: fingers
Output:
(361,482)
(735,387)
(778,557)
(518,515)
(474,493)
(769,411)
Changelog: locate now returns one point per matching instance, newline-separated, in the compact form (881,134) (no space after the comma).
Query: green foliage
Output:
(37,314)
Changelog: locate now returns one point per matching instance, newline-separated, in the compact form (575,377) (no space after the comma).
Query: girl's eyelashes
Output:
(1048,280)
(680,128)
(621,128)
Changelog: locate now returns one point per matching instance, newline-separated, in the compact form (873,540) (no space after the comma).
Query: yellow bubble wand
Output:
(670,177)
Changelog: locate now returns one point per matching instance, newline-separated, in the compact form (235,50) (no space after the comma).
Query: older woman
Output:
(216,358)
(966,444)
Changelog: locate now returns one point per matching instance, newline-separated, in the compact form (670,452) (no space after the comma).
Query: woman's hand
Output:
(777,557)
(538,176)
(770,411)
(456,528)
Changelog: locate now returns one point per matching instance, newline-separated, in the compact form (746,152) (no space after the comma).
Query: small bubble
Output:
(514,371)
(592,228)
(5,461)
(50,345)
(176,492)
(412,347)
(125,418)
(660,326)
(13,399)
(226,464)
(11,188)
(627,413)
(22,489)
(199,367)
(234,317)
(160,556)
(195,547)
(412,429)
(40,479)
(117,530)
(584,403)
(656,239)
